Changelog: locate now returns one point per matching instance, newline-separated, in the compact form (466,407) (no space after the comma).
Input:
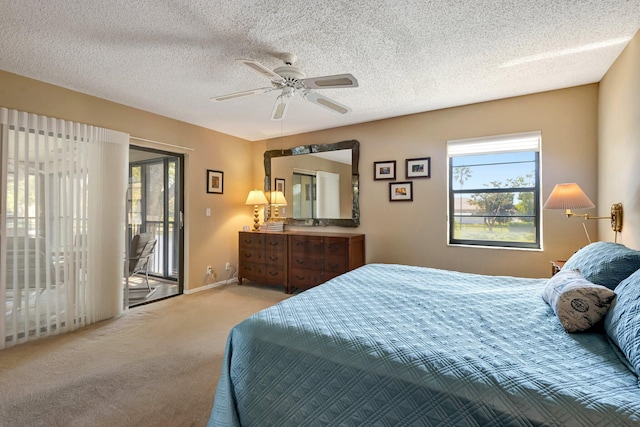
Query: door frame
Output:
(180,202)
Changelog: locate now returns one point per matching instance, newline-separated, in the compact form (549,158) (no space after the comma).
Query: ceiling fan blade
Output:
(281,106)
(330,82)
(241,94)
(261,69)
(325,102)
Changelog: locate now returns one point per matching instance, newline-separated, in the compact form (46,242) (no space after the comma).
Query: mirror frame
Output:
(352,145)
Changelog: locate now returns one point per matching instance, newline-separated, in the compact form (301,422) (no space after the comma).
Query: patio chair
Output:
(142,249)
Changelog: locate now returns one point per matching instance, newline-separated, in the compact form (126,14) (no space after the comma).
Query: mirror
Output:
(320,183)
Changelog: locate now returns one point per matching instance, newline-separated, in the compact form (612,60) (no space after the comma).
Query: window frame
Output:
(535,190)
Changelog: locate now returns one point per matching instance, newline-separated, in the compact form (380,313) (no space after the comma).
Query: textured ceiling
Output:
(170,56)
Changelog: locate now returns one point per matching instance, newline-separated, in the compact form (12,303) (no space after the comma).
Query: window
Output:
(494,191)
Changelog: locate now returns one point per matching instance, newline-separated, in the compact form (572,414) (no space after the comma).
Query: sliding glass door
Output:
(155,207)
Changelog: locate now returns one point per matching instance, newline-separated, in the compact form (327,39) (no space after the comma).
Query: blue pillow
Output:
(622,321)
(605,263)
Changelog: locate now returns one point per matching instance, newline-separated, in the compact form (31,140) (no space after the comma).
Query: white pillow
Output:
(578,303)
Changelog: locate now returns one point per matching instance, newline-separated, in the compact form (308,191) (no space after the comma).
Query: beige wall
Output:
(619,144)
(412,233)
(416,232)
(208,240)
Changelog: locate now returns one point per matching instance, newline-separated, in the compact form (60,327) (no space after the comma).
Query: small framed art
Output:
(401,191)
(278,184)
(419,168)
(384,170)
(215,181)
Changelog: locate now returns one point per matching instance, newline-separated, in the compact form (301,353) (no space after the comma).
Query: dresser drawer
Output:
(306,244)
(273,275)
(251,240)
(251,255)
(306,261)
(328,275)
(335,246)
(276,242)
(336,263)
(249,270)
(275,258)
(304,279)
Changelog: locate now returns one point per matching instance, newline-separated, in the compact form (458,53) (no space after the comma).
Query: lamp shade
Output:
(277,198)
(256,197)
(568,196)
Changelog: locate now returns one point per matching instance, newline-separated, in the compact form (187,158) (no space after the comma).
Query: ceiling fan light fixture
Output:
(287,92)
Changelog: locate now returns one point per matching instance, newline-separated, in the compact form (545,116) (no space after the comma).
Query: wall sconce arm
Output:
(615,216)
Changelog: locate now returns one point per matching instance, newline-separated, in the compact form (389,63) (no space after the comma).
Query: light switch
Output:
(208,212)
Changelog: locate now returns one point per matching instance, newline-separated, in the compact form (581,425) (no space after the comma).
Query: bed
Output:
(395,345)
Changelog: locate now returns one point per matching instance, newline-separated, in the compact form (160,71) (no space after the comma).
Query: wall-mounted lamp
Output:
(570,196)
(277,199)
(255,198)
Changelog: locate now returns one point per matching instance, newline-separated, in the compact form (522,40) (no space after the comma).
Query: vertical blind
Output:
(62,224)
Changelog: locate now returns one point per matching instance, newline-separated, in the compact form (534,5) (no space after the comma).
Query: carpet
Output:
(156,365)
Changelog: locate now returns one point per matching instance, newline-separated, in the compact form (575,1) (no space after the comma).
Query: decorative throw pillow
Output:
(578,303)
(622,322)
(605,263)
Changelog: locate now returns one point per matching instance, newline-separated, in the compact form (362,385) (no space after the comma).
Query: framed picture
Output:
(419,168)
(279,184)
(215,181)
(384,170)
(400,191)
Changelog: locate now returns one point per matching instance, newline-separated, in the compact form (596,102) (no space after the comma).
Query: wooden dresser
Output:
(298,260)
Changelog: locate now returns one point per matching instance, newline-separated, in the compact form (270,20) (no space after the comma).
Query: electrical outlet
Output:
(227,266)
(209,271)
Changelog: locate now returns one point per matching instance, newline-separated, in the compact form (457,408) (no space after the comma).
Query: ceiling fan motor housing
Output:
(291,75)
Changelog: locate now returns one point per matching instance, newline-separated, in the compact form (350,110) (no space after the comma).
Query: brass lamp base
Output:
(256,219)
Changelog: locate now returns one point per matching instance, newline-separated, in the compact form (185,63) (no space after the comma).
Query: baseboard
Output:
(210,286)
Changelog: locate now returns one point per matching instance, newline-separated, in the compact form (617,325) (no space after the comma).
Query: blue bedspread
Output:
(391,345)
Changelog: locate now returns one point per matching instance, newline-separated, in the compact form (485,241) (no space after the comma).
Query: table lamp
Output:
(255,198)
(277,199)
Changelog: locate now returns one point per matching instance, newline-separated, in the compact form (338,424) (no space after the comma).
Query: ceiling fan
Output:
(290,80)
